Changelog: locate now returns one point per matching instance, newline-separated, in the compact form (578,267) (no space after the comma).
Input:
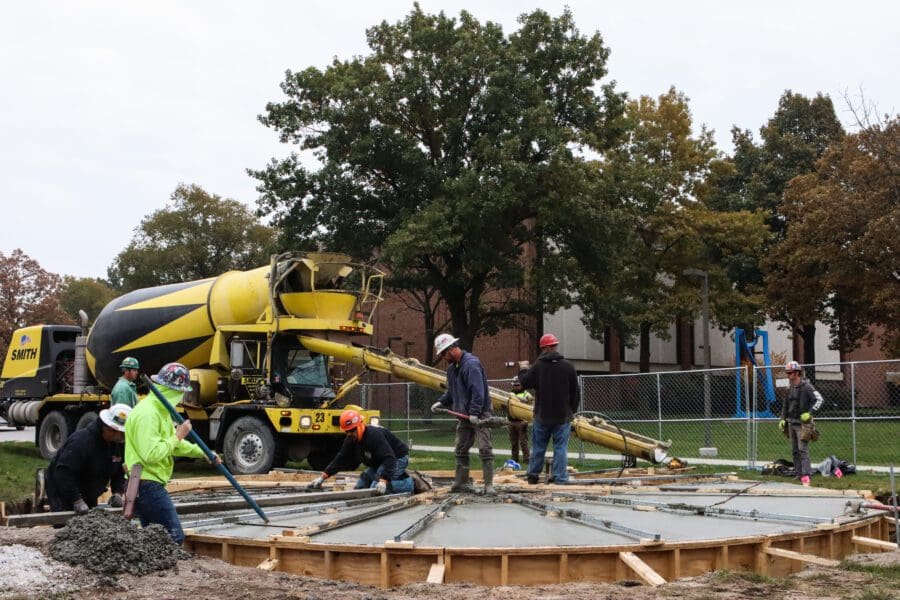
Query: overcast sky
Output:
(105,107)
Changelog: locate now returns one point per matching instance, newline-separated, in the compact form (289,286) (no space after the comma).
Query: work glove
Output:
(805,417)
(81,507)
(781,424)
(316,484)
(476,420)
(437,407)
(116,501)
(381,487)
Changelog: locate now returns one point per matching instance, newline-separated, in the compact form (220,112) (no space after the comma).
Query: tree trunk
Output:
(645,347)
(685,342)
(614,343)
(809,350)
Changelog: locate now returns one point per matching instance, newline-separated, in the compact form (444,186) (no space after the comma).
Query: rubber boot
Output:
(461,481)
(487,470)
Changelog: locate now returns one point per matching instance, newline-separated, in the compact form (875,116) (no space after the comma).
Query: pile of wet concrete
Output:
(107,544)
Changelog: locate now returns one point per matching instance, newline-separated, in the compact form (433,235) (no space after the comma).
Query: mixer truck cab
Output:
(259,397)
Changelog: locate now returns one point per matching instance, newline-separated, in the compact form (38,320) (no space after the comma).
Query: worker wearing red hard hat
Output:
(557,395)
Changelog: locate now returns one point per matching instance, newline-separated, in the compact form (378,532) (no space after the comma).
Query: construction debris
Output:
(109,545)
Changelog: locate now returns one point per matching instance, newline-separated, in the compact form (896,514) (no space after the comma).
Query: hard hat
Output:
(175,376)
(792,366)
(115,416)
(442,342)
(515,381)
(130,362)
(350,420)
(548,339)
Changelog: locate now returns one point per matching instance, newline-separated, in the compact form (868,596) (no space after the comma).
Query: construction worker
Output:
(152,440)
(125,390)
(384,455)
(89,461)
(802,401)
(557,396)
(518,429)
(467,393)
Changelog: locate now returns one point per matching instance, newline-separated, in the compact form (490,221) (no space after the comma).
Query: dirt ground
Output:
(27,571)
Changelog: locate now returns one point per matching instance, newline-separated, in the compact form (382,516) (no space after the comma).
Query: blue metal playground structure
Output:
(745,356)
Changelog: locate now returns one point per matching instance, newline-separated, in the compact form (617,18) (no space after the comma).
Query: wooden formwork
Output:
(653,563)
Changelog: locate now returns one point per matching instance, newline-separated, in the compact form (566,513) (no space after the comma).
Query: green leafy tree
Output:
(791,142)
(89,294)
(29,295)
(440,150)
(845,227)
(654,178)
(198,235)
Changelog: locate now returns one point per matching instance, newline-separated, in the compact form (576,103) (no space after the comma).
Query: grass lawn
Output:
(876,441)
(20,459)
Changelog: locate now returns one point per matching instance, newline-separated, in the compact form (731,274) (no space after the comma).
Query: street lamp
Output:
(707,407)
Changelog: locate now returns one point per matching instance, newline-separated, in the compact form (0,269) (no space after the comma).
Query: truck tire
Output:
(85,420)
(249,447)
(55,428)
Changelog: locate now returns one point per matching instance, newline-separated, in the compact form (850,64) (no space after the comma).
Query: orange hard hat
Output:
(350,420)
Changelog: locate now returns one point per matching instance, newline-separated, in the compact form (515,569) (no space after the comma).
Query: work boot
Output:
(487,469)
(461,480)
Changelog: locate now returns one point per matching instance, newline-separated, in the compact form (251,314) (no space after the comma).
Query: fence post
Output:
(408,425)
(659,406)
(580,409)
(853,408)
(750,403)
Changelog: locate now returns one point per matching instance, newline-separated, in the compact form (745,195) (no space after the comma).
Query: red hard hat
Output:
(352,420)
(548,339)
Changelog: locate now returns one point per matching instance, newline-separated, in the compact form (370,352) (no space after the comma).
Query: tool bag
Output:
(808,432)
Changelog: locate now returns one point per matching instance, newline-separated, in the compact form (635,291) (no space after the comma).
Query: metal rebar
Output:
(583,519)
(424,522)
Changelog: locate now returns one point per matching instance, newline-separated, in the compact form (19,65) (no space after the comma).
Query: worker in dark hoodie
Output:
(557,396)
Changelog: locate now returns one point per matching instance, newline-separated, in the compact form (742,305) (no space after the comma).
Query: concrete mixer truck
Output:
(259,397)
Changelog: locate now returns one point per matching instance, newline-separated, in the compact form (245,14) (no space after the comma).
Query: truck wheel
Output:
(55,428)
(85,420)
(249,447)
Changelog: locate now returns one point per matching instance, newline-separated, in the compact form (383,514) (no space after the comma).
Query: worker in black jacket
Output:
(89,461)
(802,401)
(384,455)
(557,395)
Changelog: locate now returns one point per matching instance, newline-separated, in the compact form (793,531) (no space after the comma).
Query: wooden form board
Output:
(388,566)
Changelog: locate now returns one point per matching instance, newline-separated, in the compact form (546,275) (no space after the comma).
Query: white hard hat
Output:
(115,416)
(442,342)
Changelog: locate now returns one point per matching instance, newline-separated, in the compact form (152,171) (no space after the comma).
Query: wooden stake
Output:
(873,543)
(642,569)
(810,558)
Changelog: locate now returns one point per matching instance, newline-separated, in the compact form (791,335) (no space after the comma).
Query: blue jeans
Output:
(154,505)
(540,437)
(369,478)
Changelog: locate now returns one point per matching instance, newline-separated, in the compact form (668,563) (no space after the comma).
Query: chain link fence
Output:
(723,416)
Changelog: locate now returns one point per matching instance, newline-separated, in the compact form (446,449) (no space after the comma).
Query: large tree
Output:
(29,295)
(791,142)
(845,232)
(654,178)
(89,294)
(439,152)
(198,235)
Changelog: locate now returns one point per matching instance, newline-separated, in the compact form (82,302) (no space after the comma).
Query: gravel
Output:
(24,571)
(109,545)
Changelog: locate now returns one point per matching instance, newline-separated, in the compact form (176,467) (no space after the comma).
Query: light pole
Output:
(707,406)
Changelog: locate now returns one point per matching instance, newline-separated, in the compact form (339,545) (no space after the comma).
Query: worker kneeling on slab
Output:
(384,455)
(88,462)
(152,440)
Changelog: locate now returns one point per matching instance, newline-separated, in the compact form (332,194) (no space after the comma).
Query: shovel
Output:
(209,453)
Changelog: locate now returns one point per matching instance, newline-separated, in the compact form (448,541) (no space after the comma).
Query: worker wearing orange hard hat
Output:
(385,456)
